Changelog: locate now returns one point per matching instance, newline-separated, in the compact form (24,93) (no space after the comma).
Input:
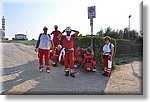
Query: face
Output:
(59,48)
(45,30)
(107,41)
(56,28)
(88,53)
(68,32)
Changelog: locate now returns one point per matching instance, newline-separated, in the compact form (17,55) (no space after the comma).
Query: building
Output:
(2,34)
(20,37)
(2,31)
(3,23)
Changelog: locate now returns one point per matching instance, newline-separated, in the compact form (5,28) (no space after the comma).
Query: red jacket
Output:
(68,44)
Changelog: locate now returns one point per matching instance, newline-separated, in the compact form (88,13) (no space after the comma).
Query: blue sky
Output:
(32,16)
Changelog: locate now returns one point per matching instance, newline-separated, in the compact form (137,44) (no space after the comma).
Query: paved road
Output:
(20,75)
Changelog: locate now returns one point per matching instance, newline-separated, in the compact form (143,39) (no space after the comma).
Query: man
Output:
(43,45)
(68,45)
(56,32)
(107,56)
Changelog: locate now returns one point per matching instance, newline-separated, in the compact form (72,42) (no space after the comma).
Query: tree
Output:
(100,33)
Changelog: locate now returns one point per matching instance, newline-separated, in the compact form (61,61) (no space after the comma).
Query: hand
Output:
(36,49)
(64,30)
(110,58)
(102,61)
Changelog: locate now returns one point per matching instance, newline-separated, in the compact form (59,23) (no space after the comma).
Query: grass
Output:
(26,42)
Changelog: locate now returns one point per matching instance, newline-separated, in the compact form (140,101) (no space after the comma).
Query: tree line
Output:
(125,33)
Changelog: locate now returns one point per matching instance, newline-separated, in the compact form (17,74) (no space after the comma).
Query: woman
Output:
(107,56)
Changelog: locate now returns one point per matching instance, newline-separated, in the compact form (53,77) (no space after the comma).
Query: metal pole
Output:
(91,23)
(129,27)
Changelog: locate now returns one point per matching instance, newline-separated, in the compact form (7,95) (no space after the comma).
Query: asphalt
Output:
(20,75)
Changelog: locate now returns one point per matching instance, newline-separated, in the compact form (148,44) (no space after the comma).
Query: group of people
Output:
(49,48)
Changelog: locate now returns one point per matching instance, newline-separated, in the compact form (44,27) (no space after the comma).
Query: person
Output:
(107,56)
(55,55)
(78,57)
(43,47)
(68,45)
(89,63)
(56,32)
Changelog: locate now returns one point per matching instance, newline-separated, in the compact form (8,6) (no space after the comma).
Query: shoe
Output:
(94,70)
(72,75)
(48,71)
(40,69)
(66,73)
(104,74)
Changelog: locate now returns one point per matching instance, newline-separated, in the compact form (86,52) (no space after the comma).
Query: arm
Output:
(37,43)
(112,53)
(76,32)
(52,44)
(60,34)
(52,32)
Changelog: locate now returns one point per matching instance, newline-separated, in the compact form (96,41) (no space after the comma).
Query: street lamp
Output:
(129,27)
(129,21)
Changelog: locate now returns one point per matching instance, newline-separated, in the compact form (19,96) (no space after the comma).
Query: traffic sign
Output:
(91,12)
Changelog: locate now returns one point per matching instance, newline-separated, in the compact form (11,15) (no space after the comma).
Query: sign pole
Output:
(91,15)
(91,24)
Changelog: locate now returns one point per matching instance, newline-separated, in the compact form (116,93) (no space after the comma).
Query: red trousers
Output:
(43,54)
(69,58)
(56,42)
(105,64)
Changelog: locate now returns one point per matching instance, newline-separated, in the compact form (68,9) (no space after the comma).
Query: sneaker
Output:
(40,69)
(104,74)
(72,75)
(48,71)
(66,73)
(94,70)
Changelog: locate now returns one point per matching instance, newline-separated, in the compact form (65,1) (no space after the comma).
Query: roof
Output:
(20,35)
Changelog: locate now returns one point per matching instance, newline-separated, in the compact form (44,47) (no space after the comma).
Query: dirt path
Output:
(126,79)
(19,75)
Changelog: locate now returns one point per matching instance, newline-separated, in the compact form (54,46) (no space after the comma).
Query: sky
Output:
(30,16)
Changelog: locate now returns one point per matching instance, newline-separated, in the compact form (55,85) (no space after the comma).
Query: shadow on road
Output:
(26,79)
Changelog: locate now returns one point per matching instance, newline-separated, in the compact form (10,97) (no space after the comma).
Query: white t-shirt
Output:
(106,47)
(68,37)
(45,42)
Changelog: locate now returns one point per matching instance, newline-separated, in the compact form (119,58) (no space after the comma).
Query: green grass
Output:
(26,42)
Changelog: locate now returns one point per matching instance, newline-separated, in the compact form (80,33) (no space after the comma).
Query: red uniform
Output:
(78,55)
(69,52)
(55,39)
(55,55)
(88,61)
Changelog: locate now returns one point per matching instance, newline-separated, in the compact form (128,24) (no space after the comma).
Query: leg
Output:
(40,55)
(71,57)
(105,65)
(109,67)
(66,64)
(47,54)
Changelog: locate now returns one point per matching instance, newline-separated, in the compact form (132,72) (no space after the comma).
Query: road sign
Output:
(91,12)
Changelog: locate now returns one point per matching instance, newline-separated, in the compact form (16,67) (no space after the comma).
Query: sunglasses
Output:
(44,29)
